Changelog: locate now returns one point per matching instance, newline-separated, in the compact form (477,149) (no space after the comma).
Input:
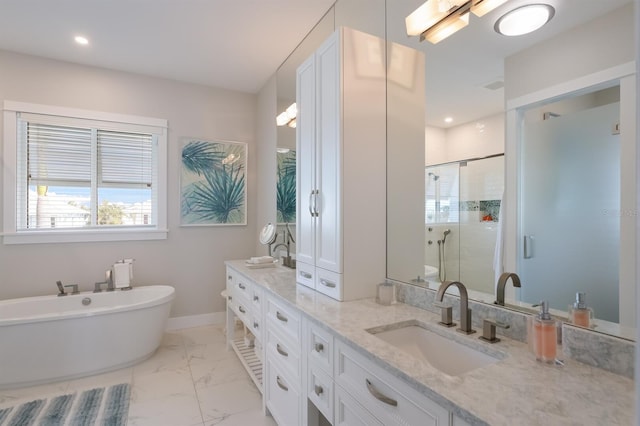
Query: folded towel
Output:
(261,259)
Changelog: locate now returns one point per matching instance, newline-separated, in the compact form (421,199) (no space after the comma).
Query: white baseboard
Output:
(177,323)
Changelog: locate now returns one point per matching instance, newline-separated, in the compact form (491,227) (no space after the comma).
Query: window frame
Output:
(11,235)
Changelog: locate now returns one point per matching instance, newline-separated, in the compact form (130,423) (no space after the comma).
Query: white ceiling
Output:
(235,44)
(239,44)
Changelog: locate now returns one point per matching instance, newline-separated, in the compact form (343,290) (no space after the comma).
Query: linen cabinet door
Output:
(305,164)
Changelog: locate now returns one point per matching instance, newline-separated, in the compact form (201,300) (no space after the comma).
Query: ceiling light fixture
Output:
(436,20)
(524,19)
(81,40)
(288,116)
(448,120)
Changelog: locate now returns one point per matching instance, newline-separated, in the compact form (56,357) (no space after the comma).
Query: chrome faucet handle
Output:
(60,289)
(74,288)
(97,288)
(489,330)
(446,314)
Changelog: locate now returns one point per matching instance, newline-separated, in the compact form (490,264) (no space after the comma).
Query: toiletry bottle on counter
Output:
(545,335)
(579,313)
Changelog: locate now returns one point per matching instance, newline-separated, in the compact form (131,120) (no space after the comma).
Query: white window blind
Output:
(84,177)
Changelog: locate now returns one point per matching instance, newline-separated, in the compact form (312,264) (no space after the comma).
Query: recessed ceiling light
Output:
(81,40)
(448,120)
(524,19)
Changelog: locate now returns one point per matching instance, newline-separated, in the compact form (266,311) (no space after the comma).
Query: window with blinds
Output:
(86,174)
(78,177)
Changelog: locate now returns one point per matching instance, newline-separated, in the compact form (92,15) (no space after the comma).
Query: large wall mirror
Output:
(452,190)
(560,188)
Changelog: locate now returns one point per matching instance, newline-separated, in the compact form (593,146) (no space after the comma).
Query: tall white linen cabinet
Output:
(341,166)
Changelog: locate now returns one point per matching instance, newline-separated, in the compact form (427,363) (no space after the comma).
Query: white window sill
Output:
(85,236)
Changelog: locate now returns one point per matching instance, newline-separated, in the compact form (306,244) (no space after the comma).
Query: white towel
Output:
(261,259)
(122,274)
(498,267)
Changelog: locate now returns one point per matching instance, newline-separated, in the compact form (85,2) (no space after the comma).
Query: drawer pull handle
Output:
(327,283)
(255,325)
(319,347)
(281,351)
(306,275)
(256,298)
(379,395)
(281,317)
(318,389)
(242,286)
(241,309)
(281,385)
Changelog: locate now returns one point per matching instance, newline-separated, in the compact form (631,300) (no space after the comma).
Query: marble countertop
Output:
(515,390)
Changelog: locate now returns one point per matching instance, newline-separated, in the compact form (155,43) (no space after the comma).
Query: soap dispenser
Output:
(579,313)
(545,335)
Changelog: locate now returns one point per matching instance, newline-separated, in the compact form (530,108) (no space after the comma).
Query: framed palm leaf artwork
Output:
(286,187)
(213,186)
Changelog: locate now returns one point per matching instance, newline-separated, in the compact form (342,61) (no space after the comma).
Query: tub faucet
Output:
(61,292)
(108,282)
(465,312)
(502,282)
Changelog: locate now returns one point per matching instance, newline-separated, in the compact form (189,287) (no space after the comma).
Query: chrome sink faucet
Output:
(502,282)
(465,312)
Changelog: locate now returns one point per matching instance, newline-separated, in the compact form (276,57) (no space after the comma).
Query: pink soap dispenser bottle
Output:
(545,335)
(579,313)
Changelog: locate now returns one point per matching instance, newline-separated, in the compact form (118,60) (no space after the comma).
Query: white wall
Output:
(477,139)
(191,259)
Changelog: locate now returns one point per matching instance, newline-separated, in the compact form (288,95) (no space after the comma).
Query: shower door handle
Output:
(528,247)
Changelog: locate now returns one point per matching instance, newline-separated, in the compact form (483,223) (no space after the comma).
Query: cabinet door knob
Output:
(281,385)
(318,389)
(230,297)
(255,325)
(229,277)
(256,298)
(281,351)
(319,347)
(281,317)
(379,395)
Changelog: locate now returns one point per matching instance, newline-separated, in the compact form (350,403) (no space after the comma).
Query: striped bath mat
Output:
(100,406)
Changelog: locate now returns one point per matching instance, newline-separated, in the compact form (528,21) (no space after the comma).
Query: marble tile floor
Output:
(191,380)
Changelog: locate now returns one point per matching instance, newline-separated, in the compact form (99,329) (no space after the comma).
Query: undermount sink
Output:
(447,355)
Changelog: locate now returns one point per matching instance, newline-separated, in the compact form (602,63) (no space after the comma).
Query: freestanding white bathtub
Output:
(49,338)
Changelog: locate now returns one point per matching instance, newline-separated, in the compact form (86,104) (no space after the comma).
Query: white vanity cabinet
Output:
(386,397)
(341,155)
(244,301)
(284,384)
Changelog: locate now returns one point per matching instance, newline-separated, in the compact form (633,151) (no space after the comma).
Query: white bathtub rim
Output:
(63,315)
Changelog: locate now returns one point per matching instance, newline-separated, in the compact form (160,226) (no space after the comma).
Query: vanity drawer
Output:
(282,397)
(320,391)
(286,320)
(305,274)
(242,288)
(329,283)
(383,394)
(319,347)
(283,352)
(241,309)
(350,413)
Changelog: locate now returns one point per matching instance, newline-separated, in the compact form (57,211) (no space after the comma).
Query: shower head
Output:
(435,176)
(444,236)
